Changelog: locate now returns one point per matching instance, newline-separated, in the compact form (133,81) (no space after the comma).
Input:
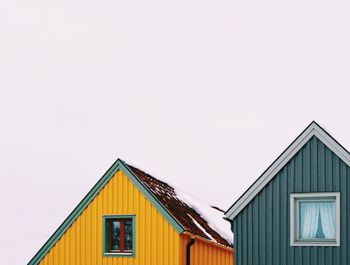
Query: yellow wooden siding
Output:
(157,243)
(206,253)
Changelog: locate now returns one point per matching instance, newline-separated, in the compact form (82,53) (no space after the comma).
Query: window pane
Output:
(128,235)
(115,235)
(317,220)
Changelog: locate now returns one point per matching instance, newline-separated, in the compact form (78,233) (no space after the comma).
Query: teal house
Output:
(298,211)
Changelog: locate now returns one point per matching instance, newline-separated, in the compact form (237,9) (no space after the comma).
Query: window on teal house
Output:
(315,219)
(119,235)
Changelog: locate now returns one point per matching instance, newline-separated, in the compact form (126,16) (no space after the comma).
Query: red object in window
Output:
(122,223)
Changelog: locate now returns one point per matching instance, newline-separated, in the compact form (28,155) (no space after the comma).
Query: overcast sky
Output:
(204,94)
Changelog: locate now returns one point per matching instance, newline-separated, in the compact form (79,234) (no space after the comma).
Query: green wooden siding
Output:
(262,228)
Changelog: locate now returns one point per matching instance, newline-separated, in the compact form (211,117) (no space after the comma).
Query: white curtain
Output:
(311,213)
(327,211)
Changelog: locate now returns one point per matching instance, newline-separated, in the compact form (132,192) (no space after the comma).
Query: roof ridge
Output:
(149,175)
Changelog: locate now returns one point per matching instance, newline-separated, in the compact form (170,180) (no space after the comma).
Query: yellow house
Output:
(132,218)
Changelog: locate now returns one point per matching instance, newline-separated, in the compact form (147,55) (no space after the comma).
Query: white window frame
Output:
(295,198)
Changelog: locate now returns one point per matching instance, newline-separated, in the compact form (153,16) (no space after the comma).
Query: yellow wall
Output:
(206,253)
(157,243)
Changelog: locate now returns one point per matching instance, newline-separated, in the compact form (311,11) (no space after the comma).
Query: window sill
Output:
(315,244)
(113,254)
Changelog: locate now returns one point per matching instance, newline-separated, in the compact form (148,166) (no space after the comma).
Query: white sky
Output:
(203,93)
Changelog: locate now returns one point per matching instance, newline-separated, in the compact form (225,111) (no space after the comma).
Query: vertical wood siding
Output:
(157,243)
(205,253)
(262,229)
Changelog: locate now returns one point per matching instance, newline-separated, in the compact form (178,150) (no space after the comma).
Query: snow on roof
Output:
(194,215)
(203,230)
(213,216)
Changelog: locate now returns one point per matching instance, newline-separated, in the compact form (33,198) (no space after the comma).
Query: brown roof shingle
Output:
(180,210)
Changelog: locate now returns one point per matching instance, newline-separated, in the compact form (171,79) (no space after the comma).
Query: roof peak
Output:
(313,129)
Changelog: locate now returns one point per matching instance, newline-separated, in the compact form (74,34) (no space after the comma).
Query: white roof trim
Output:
(312,130)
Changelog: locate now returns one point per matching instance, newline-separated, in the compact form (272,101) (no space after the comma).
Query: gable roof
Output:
(312,130)
(197,218)
(118,165)
(155,191)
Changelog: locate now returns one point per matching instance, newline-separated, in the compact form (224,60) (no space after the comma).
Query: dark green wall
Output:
(262,229)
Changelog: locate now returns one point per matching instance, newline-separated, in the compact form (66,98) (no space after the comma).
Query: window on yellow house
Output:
(119,235)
